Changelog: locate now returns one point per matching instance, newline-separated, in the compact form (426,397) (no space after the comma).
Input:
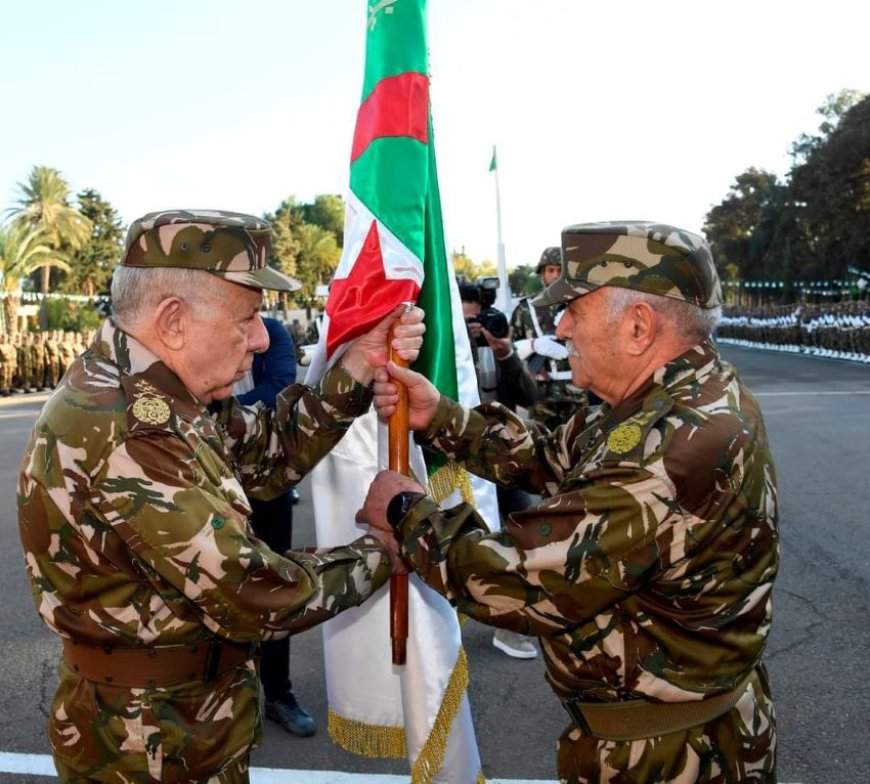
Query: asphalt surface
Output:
(818,417)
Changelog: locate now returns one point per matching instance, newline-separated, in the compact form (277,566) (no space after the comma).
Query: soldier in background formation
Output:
(839,330)
(34,361)
(534,333)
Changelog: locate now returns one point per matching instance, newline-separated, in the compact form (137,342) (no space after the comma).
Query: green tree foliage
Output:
(286,224)
(814,225)
(830,189)
(523,280)
(741,229)
(91,266)
(72,316)
(327,211)
(464,267)
(318,258)
(43,204)
(22,250)
(307,243)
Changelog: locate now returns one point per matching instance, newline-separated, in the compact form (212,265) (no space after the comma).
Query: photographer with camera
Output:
(502,378)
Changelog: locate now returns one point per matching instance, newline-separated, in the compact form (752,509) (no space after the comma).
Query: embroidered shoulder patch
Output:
(148,407)
(624,438)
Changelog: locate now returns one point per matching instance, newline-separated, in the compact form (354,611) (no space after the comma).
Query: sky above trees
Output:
(630,110)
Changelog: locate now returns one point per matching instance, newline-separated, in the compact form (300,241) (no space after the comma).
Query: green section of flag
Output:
(391,178)
(492,163)
(396,179)
(391,174)
(437,359)
(395,40)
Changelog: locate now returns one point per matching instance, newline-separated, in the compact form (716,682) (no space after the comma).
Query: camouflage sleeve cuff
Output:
(341,390)
(448,411)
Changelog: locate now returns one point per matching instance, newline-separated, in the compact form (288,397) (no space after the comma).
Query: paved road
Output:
(818,415)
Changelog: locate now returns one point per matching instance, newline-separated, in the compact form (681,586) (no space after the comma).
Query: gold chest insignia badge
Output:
(151,410)
(624,438)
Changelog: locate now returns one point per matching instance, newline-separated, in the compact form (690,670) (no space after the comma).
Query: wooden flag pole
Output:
(399,456)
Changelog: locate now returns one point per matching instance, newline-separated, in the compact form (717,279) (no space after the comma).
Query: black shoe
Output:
(294,496)
(291,716)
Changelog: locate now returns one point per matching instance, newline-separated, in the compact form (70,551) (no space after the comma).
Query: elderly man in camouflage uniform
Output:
(647,568)
(533,327)
(133,509)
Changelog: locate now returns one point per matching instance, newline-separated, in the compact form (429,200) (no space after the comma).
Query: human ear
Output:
(642,324)
(170,322)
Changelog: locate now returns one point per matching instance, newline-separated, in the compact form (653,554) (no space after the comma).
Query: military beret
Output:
(651,257)
(551,255)
(230,245)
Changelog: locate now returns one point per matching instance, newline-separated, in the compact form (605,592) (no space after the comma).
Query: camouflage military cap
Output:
(230,245)
(549,256)
(651,257)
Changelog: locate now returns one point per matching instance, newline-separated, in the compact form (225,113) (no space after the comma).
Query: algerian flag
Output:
(394,251)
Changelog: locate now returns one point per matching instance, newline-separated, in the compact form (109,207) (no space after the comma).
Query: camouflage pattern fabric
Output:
(651,257)
(52,359)
(37,362)
(646,572)
(8,364)
(133,515)
(25,361)
(559,398)
(231,245)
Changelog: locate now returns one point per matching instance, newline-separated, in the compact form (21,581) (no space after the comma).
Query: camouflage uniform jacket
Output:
(134,521)
(646,573)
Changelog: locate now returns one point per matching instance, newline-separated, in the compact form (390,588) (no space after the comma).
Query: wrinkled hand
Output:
(422,396)
(389,541)
(548,346)
(501,347)
(384,486)
(371,350)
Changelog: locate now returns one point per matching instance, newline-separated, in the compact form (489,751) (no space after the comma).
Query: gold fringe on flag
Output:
(449,477)
(370,740)
(367,740)
(431,756)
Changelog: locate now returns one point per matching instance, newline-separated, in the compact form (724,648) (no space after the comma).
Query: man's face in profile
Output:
(220,342)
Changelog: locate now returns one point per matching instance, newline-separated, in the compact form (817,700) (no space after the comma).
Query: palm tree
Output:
(44,205)
(22,250)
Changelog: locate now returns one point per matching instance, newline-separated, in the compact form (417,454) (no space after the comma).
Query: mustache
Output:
(572,349)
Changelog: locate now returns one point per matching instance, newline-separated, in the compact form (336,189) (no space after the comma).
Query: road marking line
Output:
(42,765)
(811,394)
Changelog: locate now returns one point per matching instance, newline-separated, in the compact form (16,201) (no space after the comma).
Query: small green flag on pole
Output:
(492,163)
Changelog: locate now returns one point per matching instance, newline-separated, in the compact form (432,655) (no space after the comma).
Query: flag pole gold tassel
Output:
(399,455)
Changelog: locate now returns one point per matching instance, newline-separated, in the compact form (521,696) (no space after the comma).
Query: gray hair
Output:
(685,319)
(137,291)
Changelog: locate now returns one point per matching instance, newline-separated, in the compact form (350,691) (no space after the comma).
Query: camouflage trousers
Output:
(195,733)
(739,747)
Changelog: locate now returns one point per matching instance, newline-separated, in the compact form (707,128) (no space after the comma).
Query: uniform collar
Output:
(142,366)
(691,367)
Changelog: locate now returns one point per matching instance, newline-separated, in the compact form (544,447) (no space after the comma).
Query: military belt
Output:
(157,667)
(640,719)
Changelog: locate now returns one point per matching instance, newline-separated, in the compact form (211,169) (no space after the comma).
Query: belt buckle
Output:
(576,713)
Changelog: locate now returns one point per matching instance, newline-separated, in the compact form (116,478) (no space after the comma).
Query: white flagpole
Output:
(502,299)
